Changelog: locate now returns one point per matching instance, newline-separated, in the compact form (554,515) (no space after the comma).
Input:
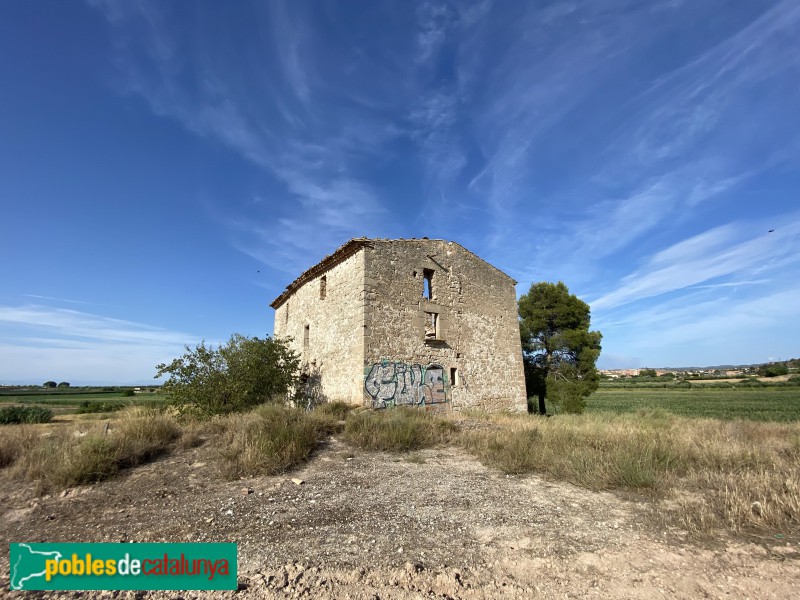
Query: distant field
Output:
(59,399)
(757,404)
(69,400)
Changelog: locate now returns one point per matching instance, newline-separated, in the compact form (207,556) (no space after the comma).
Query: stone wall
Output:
(333,344)
(474,338)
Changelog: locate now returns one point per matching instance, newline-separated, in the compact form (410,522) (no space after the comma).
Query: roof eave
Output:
(339,255)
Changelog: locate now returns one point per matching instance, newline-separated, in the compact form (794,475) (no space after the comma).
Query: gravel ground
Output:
(435,524)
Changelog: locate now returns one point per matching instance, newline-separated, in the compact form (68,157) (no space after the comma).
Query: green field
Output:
(69,400)
(756,404)
(60,399)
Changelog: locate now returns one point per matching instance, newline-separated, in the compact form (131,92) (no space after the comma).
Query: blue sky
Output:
(166,169)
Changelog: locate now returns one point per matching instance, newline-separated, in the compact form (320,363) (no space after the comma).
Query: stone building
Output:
(409,321)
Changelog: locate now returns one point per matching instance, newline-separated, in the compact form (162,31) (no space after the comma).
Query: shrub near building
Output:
(24,414)
(240,374)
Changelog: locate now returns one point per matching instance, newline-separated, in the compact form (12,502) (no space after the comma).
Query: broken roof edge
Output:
(339,255)
(347,250)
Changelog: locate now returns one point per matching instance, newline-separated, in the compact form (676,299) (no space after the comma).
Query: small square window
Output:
(453,376)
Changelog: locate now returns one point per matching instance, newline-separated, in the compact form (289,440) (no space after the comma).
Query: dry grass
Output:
(739,475)
(194,432)
(592,452)
(75,454)
(702,474)
(16,441)
(142,434)
(269,440)
(336,410)
(397,430)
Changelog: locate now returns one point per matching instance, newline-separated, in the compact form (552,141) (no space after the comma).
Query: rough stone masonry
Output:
(406,322)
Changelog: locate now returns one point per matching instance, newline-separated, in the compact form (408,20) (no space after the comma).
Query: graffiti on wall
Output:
(389,383)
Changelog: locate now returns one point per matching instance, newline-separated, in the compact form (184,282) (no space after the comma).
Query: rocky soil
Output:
(436,524)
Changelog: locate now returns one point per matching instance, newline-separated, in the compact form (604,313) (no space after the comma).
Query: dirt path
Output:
(436,524)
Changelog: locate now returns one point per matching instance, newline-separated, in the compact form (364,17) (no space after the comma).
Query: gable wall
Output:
(478,326)
(336,330)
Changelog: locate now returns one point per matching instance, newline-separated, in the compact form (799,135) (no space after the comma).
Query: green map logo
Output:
(28,564)
(102,566)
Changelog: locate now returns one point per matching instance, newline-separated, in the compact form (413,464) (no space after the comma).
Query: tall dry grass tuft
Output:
(590,452)
(142,434)
(746,500)
(194,432)
(335,410)
(739,475)
(15,441)
(732,474)
(268,440)
(91,451)
(397,430)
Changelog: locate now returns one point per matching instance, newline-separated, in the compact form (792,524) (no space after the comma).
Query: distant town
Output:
(772,369)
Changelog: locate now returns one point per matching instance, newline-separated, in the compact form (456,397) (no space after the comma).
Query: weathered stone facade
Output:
(422,322)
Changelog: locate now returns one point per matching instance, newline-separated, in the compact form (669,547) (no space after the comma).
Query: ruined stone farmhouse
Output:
(406,322)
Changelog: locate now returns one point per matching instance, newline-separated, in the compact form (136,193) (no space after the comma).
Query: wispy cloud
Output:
(434,128)
(38,297)
(76,324)
(690,102)
(746,329)
(677,142)
(41,342)
(307,148)
(733,284)
(433,19)
(719,252)
(575,141)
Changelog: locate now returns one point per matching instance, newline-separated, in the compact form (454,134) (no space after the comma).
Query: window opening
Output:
(305,341)
(453,376)
(427,286)
(431,324)
(323,287)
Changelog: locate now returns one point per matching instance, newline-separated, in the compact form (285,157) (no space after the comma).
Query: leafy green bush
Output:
(24,414)
(89,407)
(239,375)
(568,396)
(773,370)
(750,383)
